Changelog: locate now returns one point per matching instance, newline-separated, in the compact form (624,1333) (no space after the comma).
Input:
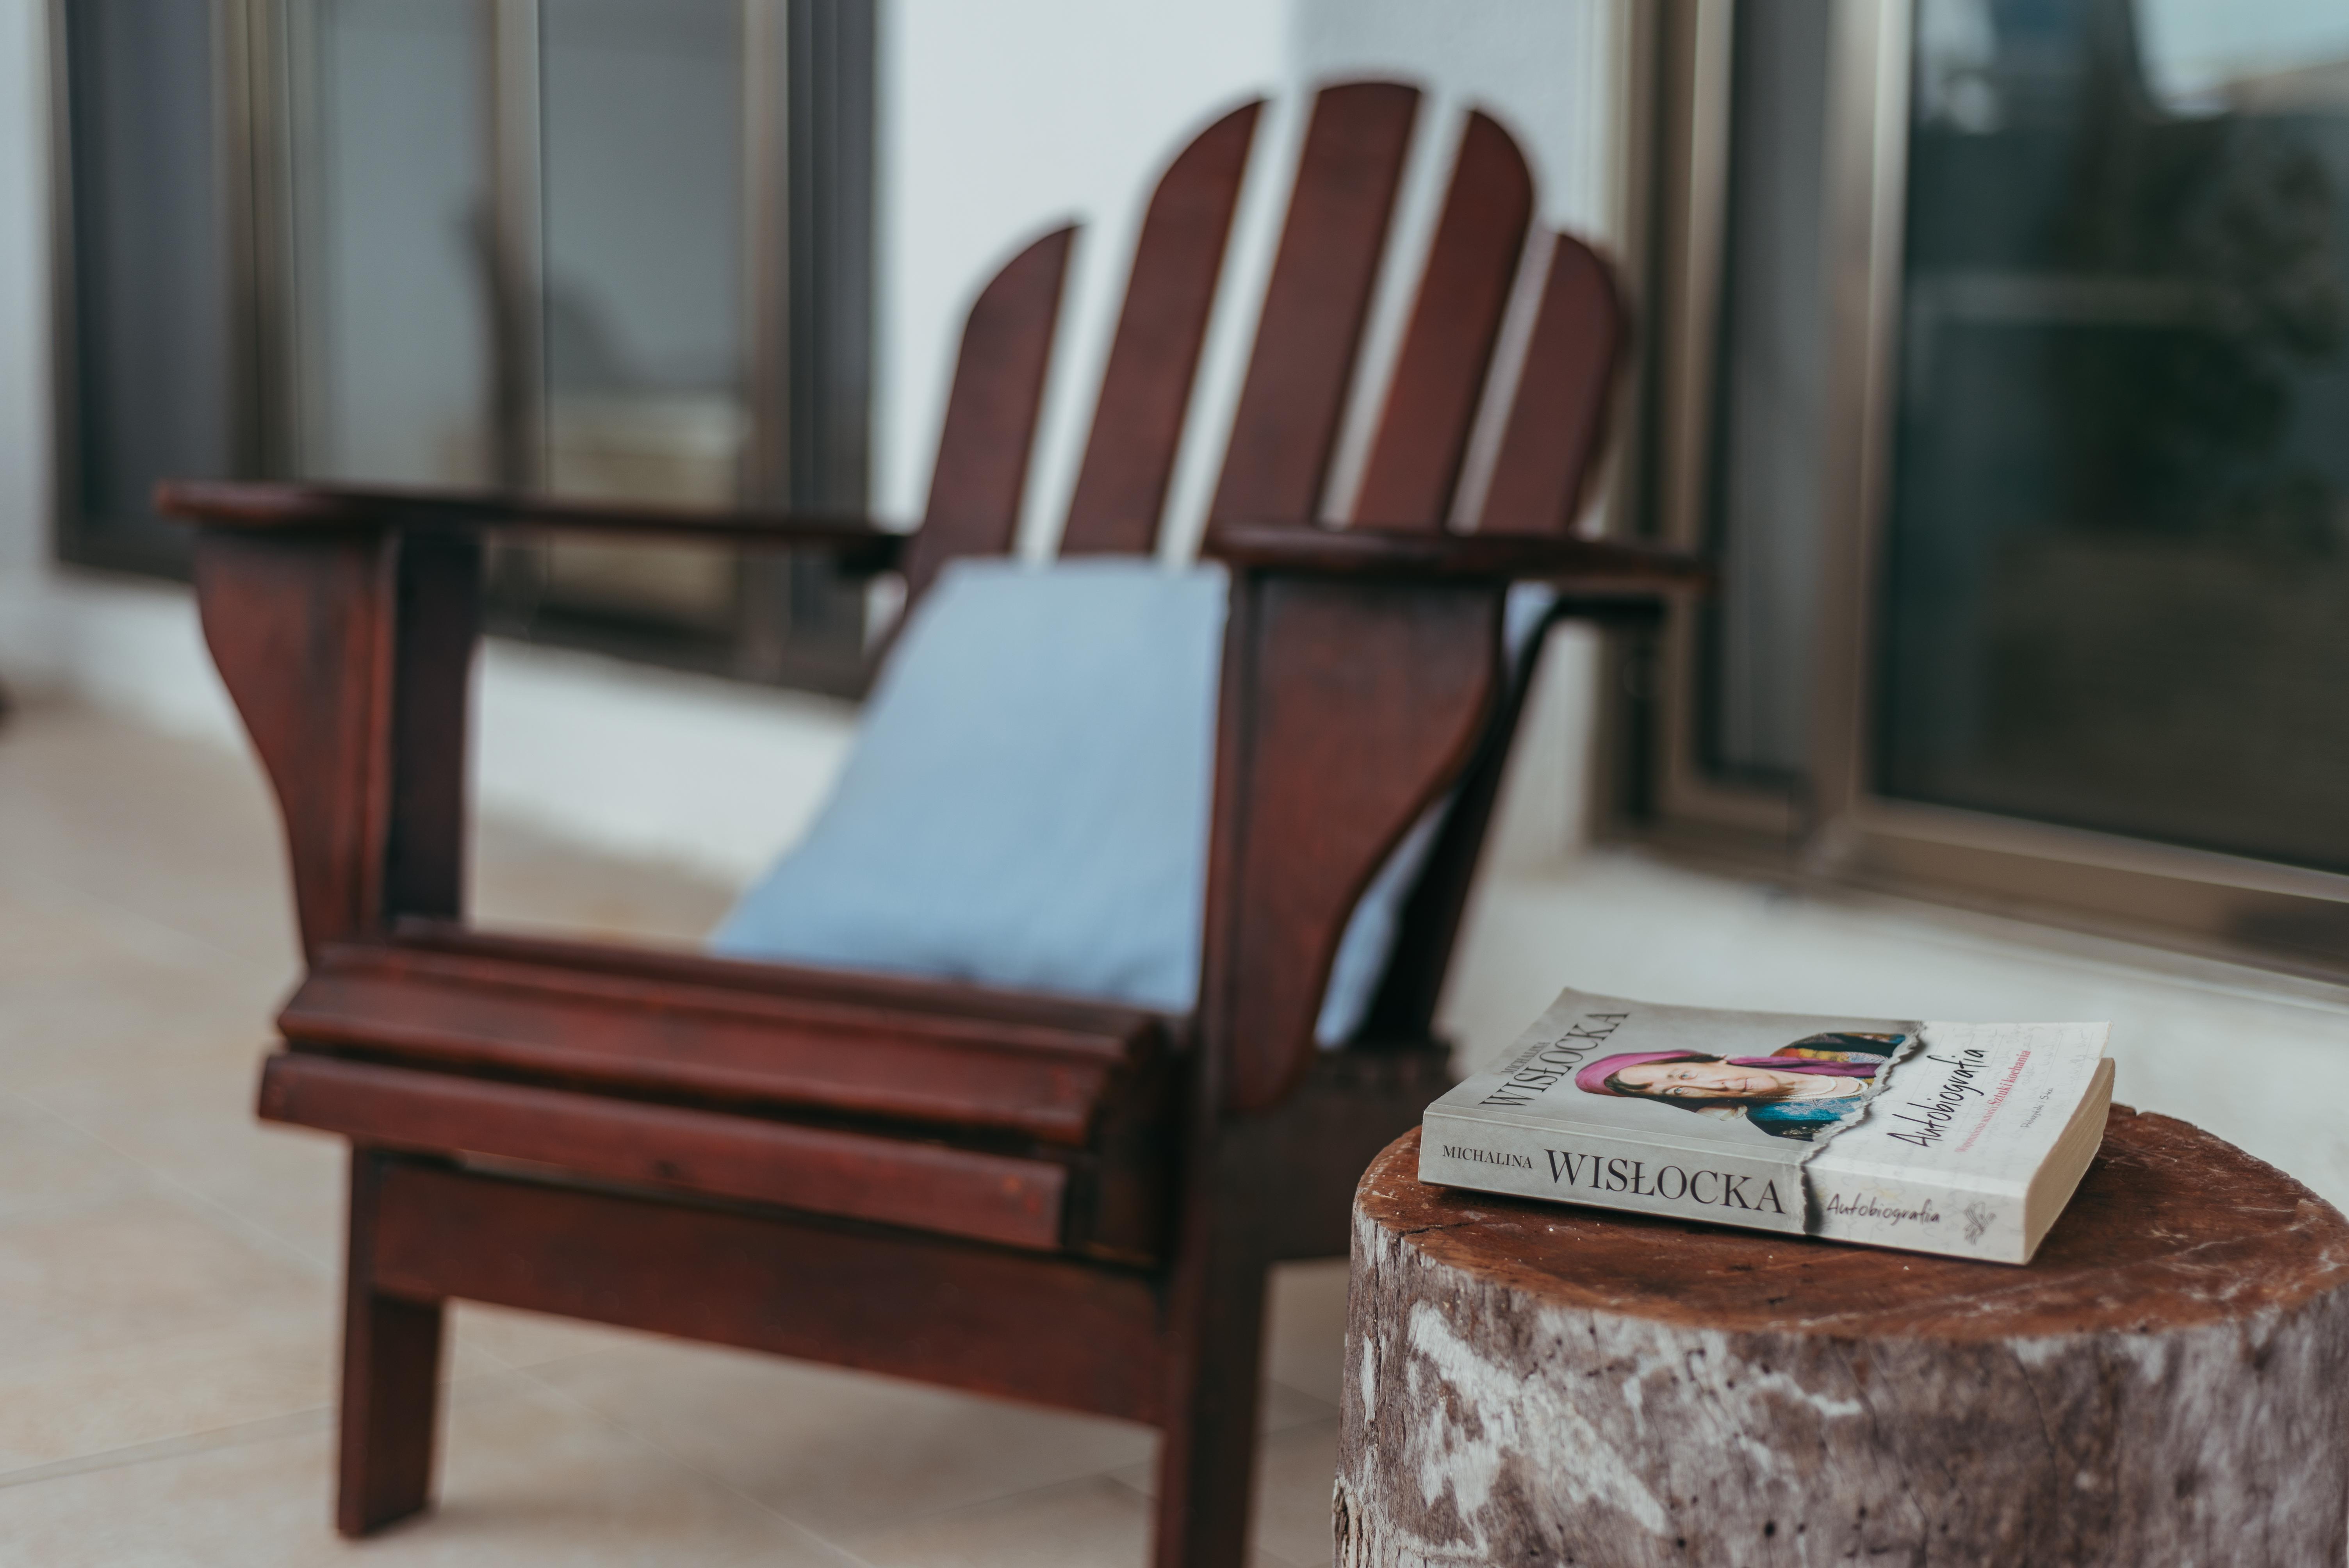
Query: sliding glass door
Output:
(394,294)
(150,385)
(525,245)
(2115,589)
(2016,391)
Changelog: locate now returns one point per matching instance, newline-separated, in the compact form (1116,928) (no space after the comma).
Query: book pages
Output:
(1958,1136)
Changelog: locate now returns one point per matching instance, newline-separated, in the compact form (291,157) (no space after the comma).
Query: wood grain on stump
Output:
(2167,1383)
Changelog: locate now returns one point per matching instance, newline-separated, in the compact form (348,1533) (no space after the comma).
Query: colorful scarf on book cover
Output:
(1833,1055)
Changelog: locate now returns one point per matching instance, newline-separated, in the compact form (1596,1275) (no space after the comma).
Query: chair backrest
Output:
(1554,384)
(1300,777)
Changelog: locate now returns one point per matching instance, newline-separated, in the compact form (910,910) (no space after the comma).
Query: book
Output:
(1961,1138)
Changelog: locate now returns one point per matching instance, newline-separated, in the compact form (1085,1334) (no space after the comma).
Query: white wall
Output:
(1548,70)
(1108,91)
(130,646)
(1003,120)
(33,654)
(998,122)
(709,774)
(24,290)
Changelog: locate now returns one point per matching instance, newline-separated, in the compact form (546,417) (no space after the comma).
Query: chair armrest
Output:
(1362,675)
(1595,567)
(858,544)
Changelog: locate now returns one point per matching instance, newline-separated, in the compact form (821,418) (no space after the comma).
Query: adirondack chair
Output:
(1055,1199)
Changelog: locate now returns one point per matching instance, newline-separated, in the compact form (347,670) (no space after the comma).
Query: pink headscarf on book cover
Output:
(1592,1078)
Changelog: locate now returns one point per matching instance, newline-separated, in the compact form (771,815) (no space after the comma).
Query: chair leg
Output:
(391,1377)
(1207,1458)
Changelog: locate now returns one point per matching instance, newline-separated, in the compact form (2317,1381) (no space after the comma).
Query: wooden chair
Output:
(1055,1200)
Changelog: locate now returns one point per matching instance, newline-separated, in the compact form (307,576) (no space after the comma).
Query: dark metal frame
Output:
(1840,830)
(809,69)
(815,398)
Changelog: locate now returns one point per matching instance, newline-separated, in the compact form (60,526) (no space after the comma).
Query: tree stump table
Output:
(2167,1383)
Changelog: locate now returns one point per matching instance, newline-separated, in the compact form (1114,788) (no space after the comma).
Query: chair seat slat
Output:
(1006,1199)
(713,1046)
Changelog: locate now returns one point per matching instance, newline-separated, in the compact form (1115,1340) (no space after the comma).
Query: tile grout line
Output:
(207,954)
(241,1434)
(236,1434)
(1108,1477)
(1107,1473)
(1326,1410)
(207,1207)
(1268,1559)
(127,929)
(1258,1556)
(847,1559)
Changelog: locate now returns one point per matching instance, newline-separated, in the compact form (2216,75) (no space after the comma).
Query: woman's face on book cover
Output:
(1710,1080)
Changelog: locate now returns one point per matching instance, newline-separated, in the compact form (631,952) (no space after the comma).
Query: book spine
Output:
(1916,1212)
(1612,1172)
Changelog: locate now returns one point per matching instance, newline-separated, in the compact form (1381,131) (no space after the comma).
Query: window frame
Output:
(1836,828)
(809,146)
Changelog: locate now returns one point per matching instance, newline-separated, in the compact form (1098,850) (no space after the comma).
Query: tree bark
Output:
(2168,1383)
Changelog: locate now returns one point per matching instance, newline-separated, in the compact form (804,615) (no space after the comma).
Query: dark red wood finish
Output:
(969,1193)
(1041,1197)
(1579,565)
(312,635)
(1347,710)
(1439,375)
(436,610)
(391,1373)
(1146,387)
(1550,444)
(853,543)
(1057,1331)
(991,424)
(953,998)
(1295,393)
(717,1044)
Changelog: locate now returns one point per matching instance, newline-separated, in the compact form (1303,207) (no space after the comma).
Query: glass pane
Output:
(2118,576)
(154,374)
(644,314)
(1767,429)
(394,232)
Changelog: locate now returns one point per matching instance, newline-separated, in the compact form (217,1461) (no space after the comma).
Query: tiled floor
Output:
(167,1265)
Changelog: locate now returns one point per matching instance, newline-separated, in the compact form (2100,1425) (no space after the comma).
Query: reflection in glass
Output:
(2117,552)
(394,213)
(643,145)
(153,355)
(1769,405)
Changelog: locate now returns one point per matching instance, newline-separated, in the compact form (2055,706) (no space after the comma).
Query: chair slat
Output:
(1146,387)
(990,423)
(1295,393)
(1430,403)
(1011,1200)
(1559,422)
(1046,1330)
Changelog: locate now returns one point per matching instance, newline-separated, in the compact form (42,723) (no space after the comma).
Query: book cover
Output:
(1963,1139)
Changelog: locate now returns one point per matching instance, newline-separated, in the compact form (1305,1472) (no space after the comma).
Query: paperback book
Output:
(1961,1138)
